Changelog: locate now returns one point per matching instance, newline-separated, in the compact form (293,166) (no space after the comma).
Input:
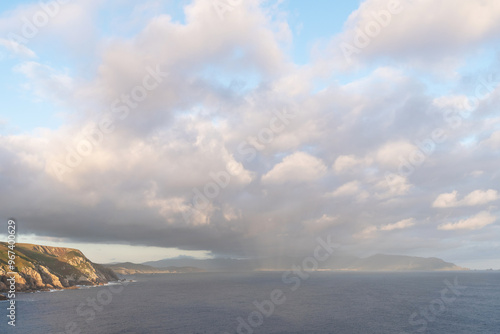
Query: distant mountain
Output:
(129,268)
(218,264)
(44,267)
(339,261)
(382,262)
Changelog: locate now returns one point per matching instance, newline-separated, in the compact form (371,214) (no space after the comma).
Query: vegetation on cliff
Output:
(44,267)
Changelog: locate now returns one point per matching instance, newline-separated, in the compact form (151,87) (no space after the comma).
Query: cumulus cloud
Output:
(393,153)
(17,48)
(475,198)
(297,167)
(494,141)
(347,189)
(209,159)
(367,233)
(320,224)
(402,224)
(392,185)
(351,189)
(424,31)
(346,163)
(479,221)
(370,232)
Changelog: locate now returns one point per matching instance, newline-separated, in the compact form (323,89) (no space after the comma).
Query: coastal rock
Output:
(44,268)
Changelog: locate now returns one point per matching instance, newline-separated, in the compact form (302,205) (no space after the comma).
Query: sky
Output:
(209,128)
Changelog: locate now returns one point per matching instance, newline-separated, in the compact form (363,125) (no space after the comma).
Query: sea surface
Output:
(222,303)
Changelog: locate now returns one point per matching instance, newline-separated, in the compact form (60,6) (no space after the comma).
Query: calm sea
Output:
(325,302)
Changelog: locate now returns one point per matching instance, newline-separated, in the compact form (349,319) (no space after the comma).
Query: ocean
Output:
(267,302)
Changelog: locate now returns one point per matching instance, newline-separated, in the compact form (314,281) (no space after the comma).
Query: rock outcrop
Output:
(44,267)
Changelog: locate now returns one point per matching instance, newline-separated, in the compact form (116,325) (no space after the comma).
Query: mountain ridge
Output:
(340,261)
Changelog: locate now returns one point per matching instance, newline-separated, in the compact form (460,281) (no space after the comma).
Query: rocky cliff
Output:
(43,267)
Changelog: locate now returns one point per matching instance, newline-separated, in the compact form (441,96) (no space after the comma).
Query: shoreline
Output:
(74,287)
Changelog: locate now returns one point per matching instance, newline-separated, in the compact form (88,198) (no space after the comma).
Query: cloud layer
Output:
(205,135)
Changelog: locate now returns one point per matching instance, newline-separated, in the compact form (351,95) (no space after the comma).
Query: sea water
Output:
(269,302)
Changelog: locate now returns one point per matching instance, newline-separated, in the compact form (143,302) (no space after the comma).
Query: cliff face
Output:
(44,267)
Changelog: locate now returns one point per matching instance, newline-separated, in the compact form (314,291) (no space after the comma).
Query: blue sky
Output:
(24,112)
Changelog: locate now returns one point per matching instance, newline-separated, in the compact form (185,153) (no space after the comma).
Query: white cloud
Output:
(402,224)
(17,48)
(48,83)
(321,223)
(371,231)
(476,222)
(392,185)
(480,197)
(190,129)
(350,189)
(494,141)
(447,200)
(427,32)
(475,198)
(345,163)
(367,233)
(297,167)
(393,153)
(347,189)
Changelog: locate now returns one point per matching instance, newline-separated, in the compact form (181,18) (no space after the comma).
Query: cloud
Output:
(494,141)
(447,200)
(346,163)
(424,32)
(367,233)
(17,48)
(202,162)
(482,219)
(371,231)
(392,185)
(46,82)
(475,198)
(320,224)
(347,189)
(402,224)
(297,167)
(350,189)
(391,154)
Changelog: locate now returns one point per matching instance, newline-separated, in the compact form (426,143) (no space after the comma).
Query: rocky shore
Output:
(40,268)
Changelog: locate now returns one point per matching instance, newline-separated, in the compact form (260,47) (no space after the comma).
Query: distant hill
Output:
(129,268)
(45,267)
(339,261)
(382,262)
